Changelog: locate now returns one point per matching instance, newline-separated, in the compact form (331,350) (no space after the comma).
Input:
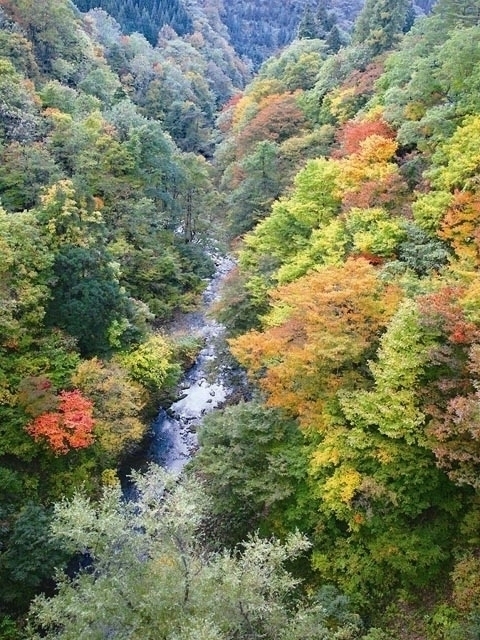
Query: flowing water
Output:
(204,388)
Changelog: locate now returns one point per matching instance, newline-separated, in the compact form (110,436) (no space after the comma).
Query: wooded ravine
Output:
(330,150)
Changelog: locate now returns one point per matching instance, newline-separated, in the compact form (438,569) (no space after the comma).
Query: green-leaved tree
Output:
(148,576)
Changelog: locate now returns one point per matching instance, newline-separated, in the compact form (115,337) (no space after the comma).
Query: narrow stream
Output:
(174,430)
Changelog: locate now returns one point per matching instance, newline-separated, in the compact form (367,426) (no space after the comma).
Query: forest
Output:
(334,151)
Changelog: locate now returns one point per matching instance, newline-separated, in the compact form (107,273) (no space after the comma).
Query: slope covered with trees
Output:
(145,17)
(341,500)
(256,30)
(354,308)
(105,205)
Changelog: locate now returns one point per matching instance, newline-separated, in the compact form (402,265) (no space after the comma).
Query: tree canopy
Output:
(343,177)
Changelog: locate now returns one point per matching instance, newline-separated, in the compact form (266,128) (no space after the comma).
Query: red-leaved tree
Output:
(70,427)
(354,132)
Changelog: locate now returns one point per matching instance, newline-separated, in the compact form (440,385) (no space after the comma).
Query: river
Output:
(204,386)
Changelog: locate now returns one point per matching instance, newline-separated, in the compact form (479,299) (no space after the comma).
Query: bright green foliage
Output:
(60,99)
(303,230)
(151,578)
(315,199)
(455,165)
(312,205)
(374,231)
(25,271)
(275,238)
(151,364)
(430,208)
(327,246)
(392,406)
(89,150)
(301,74)
(458,159)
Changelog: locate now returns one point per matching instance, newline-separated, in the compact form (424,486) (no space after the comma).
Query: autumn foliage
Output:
(70,427)
(354,132)
(321,329)
(460,226)
(455,433)
(278,119)
(441,311)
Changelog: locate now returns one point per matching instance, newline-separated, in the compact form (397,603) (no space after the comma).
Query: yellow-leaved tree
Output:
(321,330)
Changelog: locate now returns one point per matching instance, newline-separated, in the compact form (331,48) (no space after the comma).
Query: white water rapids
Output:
(174,430)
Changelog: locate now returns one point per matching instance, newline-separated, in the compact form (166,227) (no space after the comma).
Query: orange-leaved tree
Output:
(350,136)
(452,394)
(321,331)
(369,177)
(460,226)
(69,427)
(278,118)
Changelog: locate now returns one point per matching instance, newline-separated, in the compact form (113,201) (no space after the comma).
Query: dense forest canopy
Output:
(338,499)
(256,30)
(103,179)
(146,17)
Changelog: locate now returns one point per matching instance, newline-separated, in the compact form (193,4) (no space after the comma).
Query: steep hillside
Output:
(144,16)
(259,29)
(342,499)
(353,193)
(255,29)
(102,235)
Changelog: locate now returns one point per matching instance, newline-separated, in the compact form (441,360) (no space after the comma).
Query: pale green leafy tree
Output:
(149,576)
(24,272)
